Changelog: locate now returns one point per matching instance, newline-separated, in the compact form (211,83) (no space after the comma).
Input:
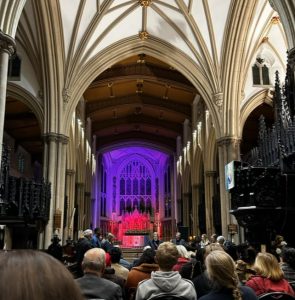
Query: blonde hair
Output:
(167,256)
(221,270)
(267,265)
(182,251)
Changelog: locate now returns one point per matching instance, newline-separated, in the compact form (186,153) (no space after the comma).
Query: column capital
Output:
(7,43)
(228,140)
(55,137)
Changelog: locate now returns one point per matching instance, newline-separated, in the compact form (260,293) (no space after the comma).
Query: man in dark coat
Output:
(83,245)
(91,284)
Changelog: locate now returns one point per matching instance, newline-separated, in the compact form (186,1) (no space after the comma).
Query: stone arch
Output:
(256,100)
(17,92)
(152,47)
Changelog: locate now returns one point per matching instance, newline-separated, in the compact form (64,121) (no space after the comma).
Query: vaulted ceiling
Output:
(139,98)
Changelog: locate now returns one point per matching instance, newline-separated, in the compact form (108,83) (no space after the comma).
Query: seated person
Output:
(116,254)
(91,284)
(155,242)
(146,265)
(269,276)
(165,281)
(225,283)
(183,258)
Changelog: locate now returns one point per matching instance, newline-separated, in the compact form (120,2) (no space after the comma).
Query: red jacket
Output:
(180,262)
(262,285)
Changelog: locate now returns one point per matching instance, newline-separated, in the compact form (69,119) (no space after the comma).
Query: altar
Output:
(134,241)
(135,229)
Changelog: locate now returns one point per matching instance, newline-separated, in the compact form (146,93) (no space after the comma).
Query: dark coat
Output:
(154,244)
(94,287)
(226,294)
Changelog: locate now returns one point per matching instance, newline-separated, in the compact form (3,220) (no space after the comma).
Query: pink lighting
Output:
(127,203)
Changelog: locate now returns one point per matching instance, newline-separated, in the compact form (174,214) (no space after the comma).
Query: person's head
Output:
(220,239)
(155,236)
(288,256)
(110,237)
(268,266)
(182,251)
(116,254)
(213,238)
(167,256)
(35,275)
(94,261)
(212,247)
(147,257)
(88,234)
(204,237)
(97,231)
(222,271)
(178,235)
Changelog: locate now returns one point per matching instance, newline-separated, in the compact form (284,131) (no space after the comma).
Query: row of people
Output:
(28,274)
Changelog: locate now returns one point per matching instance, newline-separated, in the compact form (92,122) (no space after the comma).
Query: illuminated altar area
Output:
(133,194)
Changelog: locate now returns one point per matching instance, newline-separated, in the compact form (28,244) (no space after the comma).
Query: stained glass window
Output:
(135,187)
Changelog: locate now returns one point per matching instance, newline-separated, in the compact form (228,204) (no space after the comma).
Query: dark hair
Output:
(35,275)
(115,254)
(147,257)
(288,256)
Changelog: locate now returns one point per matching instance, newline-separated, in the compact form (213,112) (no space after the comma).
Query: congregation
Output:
(207,269)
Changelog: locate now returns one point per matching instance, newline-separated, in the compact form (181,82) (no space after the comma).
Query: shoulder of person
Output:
(143,282)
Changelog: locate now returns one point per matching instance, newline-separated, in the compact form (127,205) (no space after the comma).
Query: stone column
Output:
(195,111)
(210,177)
(70,193)
(195,208)
(87,201)
(186,211)
(54,172)
(80,187)
(228,150)
(7,48)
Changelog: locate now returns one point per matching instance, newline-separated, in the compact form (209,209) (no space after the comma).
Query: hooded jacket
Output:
(165,283)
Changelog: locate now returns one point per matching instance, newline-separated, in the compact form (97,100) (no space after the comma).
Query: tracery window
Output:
(103,196)
(260,72)
(135,188)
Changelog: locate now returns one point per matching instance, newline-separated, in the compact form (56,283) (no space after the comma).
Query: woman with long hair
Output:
(225,282)
(269,276)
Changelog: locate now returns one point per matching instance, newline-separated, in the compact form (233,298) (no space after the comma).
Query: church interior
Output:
(144,116)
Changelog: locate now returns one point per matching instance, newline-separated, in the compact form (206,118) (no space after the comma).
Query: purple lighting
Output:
(129,188)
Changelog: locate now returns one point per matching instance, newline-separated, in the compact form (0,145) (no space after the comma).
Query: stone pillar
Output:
(210,177)
(87,209)
(174,193)
(7,48)
(195,112)
(70,193)
(228,150)
(195,208)
(185,210)
(54,172)
(80,187)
